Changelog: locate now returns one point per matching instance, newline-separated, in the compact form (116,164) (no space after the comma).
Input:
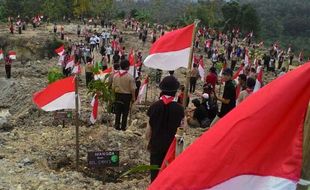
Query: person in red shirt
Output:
(212,77)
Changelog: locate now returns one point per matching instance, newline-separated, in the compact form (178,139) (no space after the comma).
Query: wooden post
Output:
(77,146)
(189,66)
(305,173)
(147,87)
(180,143)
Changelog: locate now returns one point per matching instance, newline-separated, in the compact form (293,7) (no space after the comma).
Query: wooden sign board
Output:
(62,115)
(103,159)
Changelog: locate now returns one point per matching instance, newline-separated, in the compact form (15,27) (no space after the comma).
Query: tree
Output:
(249,19)
(231,14)
(81,7)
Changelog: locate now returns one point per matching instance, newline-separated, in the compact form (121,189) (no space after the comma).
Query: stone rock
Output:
(26,162)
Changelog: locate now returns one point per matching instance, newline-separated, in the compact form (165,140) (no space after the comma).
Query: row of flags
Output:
(12,54)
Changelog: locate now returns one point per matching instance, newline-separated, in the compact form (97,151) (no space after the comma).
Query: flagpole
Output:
(77,148)
(189,66)
(305,173)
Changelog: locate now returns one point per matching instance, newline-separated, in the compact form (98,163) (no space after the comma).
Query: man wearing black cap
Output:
(124,87)
(165,116)
(229,96)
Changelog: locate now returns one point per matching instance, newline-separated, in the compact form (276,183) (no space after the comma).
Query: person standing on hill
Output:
(124,87)
(193,78)
(165,116)
(250,84)
(55,28)
(62,32)
(229,96)
(88,70)
(8,65)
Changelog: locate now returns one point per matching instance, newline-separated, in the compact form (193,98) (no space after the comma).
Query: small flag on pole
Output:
(70,63)
(12,55)
(259,80)
(142,91)
(1,54)
(61,50)
(57,96)
(94,113)
(172,50)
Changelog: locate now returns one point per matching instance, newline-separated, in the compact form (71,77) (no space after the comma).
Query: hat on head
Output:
(169,84)
(228,71)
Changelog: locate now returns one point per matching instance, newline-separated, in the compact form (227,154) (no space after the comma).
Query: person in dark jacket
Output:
(165,116)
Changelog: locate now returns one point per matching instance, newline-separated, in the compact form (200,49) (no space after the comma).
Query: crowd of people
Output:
(229,52)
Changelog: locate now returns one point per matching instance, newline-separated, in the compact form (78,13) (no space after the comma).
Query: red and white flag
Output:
(57,96)
(12,55)
(94,113)
(239,72)
(201,69)
(143,90)
(76,69)
(224,66)
(1,54)
(254,147)
(103,74)
(172,50)
(259,80)
(70,63)
(61,50)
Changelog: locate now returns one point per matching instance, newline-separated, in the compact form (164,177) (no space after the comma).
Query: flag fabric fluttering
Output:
(1,54)
(70,63)
(239,72)
(224,66)
(172,50)
(94,113)
(57,96)
(12,55)
(76,69)
(201,69)
(102,74)
(255,146)
(61,50)
(259,80)
(143,90)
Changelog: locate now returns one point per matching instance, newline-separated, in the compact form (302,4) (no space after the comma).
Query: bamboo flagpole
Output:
(189,66)
(77,148)
(305,173)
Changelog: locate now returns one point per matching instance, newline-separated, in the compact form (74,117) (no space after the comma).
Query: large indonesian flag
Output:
(57,96)
(172,50)
(12,55)
(254,147)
